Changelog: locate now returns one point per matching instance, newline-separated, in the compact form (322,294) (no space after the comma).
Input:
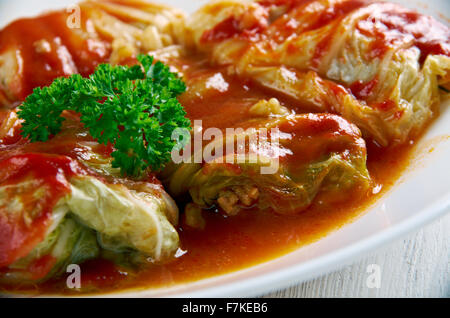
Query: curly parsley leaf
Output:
(134,108)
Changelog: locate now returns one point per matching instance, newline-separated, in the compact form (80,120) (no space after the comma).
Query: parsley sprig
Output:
(134,108)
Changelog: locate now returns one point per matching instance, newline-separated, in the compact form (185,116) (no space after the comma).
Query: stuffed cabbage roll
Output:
(377,64)
(61,203)
(35,51)
(283,170)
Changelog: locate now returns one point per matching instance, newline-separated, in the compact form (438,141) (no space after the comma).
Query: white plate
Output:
(420,196)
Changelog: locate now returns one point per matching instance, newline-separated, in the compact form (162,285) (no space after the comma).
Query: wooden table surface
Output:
(417,266)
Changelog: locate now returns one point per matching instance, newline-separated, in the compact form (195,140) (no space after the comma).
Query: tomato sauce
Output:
(231,27)
(392,25)
(48,171)
(388,24)
(363,90)
(46,48)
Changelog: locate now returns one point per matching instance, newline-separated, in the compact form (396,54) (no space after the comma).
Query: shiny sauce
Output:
(46,48)
(30,225)
(392,25)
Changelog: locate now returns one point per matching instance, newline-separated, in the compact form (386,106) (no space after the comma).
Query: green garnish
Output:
(134,108)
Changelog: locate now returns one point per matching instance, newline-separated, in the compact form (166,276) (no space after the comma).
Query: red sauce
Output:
(336,12)
(391,25)
(288,4)
(41,267)
(318,134)
(17,237)
(333,14)
(231,27)
(47,48)
(385,105)
(363,90)
(224,30)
